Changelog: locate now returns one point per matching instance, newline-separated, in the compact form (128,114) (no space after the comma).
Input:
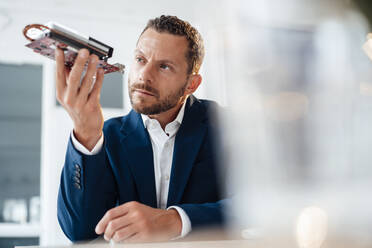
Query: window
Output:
(20,143)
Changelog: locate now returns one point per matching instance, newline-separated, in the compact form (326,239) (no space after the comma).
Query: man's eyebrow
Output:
(165,61)
(138,51)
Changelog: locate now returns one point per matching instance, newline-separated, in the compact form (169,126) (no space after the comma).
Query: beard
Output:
(161,105)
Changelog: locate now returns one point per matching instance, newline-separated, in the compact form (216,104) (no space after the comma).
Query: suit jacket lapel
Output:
(138,150)
(188,141)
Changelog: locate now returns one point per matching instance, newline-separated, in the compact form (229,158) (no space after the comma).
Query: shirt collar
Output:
(146,119)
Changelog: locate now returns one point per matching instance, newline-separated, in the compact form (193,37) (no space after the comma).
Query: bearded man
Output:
(150,175)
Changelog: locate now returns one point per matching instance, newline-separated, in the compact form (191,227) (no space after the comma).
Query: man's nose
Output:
(146,73)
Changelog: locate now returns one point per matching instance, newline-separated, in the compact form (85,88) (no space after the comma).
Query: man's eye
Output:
(164,67)
(139,59)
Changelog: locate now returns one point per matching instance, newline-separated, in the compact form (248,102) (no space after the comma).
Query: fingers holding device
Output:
(81,63)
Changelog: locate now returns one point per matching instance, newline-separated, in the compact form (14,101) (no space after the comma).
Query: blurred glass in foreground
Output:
(298,129)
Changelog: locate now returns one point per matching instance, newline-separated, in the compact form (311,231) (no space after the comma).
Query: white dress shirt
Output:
(162,142)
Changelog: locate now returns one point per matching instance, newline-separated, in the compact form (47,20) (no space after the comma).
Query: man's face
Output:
(158,75)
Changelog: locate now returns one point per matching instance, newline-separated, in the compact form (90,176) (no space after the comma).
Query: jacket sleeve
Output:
(87,190)
(206,214)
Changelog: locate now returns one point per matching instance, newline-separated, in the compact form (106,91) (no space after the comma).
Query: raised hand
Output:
(80,97)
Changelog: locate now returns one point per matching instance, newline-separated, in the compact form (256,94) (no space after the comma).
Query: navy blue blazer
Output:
(123,171)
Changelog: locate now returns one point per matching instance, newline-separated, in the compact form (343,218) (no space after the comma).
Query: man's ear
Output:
(193,83)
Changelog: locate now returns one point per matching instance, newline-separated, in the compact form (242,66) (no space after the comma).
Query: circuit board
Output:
(46,47)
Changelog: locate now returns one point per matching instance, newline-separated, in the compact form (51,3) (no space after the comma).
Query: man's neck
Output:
(168,116)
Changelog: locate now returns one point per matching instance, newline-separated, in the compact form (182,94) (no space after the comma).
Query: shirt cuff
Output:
(96,149)
(186,223)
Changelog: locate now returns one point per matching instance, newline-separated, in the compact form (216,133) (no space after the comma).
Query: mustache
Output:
(142,86)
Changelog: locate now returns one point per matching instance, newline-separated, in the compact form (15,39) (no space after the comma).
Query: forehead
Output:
(163,46)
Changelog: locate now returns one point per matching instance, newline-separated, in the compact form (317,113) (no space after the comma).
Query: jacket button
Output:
(77,185)
(76,179)
(77,174)
(77,167)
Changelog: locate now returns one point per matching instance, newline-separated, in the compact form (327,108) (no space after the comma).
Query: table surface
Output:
(189,244)
(218,239)
(217,244)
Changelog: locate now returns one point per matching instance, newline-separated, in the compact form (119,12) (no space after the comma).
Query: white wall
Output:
(117,23)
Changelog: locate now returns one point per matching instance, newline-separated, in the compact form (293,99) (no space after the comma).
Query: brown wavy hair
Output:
(174,25)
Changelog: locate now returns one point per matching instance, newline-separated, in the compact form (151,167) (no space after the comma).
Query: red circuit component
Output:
(46,46)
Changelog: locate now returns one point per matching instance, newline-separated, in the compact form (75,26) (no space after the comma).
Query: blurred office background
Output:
(299,126)
(292,73)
